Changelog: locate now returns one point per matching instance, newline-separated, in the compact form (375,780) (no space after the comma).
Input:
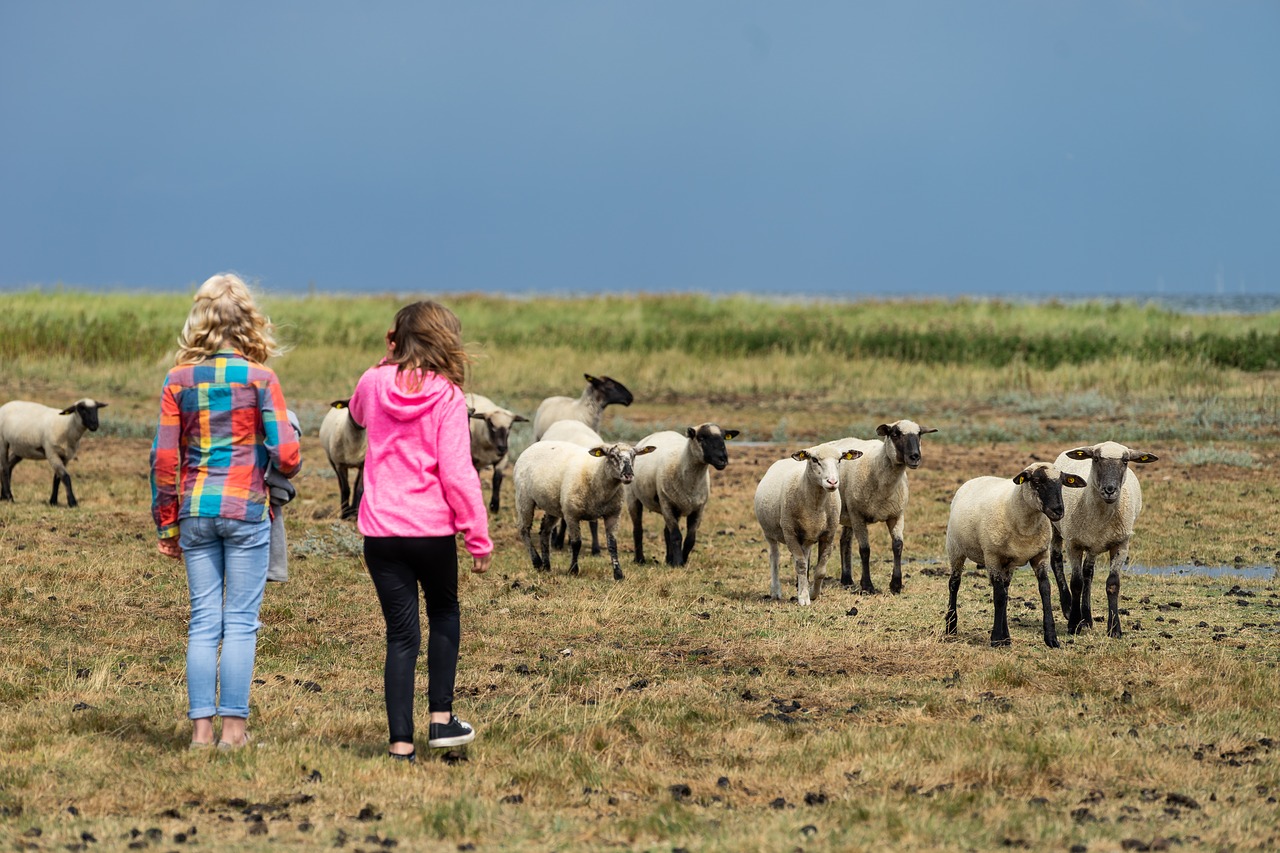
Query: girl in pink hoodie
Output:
(420,491)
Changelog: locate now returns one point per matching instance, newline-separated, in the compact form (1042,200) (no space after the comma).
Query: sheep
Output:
(344,443)
(1098,521)
(34,431)
(588,409)
(873,490)
(570,482)
(1001,524)
(798,503)
(676,482)
(577,433)
(490,440)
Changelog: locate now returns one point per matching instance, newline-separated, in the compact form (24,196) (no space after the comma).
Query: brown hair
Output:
(427,336)
(224,315)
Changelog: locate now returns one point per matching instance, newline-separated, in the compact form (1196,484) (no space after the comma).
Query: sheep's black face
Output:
(499,436)
(710,441)
(88,416)
(1049,493)
(611,390)
(905,438)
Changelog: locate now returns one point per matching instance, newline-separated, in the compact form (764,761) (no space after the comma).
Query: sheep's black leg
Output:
(612,544)
(71,499)
(357,493)
(846,556)
(864,554)
(1086,594)
(1059,575)
(544,540)
(344,491)
(495,502)
(1046,606)
(557,540)
(637,531)
(1113,603)
(595,537)
(953,586)
(1000,598)
(575,546)
(6,491)
(895,583)
(1077,594)
(672,537)
(53,499)
(691,525)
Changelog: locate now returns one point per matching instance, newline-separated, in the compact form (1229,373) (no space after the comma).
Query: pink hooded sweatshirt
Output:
(418,476)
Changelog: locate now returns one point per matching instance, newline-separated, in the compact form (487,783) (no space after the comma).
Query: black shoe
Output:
(411,757)
(453,733)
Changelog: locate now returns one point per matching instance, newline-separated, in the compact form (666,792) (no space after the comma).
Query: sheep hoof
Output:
(997,643)
(1052,642)
(846,580)
(869,589)
(895,586)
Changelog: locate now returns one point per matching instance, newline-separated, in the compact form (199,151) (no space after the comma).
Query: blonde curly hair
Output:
(224,315)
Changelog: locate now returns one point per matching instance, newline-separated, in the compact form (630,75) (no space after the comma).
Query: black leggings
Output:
(398,565)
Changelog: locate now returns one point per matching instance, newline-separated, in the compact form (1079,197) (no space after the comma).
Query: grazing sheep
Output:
(1001,524)
(1098,521)
(32,431)
(344,443)
(874,490)
(578,433)
(588,409)
(571,482)
(490,439)
(798,503)
(675,481)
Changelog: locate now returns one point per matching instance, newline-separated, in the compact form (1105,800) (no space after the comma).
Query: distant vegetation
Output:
(114,327)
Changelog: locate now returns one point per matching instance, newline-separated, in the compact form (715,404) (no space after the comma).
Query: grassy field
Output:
(677,709)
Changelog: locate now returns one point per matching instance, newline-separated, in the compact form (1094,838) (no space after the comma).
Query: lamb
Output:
(1098,521)
(490,440)
(33,431)
(798,503)
(874,490)
(588,409)
(571,482)
(577,433)
(1001,524)
(676,482)
(344,443)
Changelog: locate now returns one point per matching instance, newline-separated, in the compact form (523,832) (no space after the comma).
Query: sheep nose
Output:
(831,485)
(913,460)
(1110,494)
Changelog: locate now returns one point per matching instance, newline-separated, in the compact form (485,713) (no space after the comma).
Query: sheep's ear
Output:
(474,415)
(1142,457)
(1080,453)
(800,455)
(731,434)
(850,454)
(1073,481)
(1020,479)
(69,410)
(590,378)
(927,430)
(883,429)
(340,404)
(598,451)
(690,432)
(648,448)
(519,419)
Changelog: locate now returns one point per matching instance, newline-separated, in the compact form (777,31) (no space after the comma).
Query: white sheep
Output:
(798,503)
(1098,521)
(1002,524)
(345,442)
(873,490)
(588,409)
(570,482)
(675,480)
(490,440)
(34,431)
(578,433)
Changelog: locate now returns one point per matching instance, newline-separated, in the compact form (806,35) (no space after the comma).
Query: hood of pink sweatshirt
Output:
(418,476)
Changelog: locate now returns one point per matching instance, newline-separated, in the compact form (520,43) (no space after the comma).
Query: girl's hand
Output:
(481,564)
(170,548)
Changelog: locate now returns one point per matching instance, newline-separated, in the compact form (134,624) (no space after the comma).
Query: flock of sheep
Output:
(572,474)
(1084,505)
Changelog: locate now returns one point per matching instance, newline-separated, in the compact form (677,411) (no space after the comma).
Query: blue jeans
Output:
(226,573)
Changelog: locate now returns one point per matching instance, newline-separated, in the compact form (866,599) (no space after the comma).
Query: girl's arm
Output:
(459,478)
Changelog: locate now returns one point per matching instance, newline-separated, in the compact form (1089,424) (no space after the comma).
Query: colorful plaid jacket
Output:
(221,422)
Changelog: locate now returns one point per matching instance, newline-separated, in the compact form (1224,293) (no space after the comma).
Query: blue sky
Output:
(851,148)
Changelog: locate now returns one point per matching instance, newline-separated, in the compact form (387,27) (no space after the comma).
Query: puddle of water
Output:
(1265,573)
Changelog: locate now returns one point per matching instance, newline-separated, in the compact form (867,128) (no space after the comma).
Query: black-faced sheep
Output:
(874,489)
(588,409)
(490,440)
(34,431)
(798,504)
(1002,524)
(675,480)
(571,482)
(344,443)
(1099,520)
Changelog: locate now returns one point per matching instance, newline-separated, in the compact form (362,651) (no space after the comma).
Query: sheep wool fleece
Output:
(418,476)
